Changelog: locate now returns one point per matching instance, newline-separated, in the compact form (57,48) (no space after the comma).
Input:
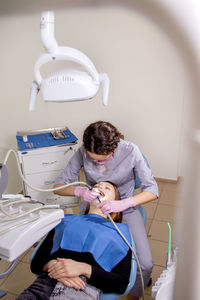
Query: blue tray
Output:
(40,140)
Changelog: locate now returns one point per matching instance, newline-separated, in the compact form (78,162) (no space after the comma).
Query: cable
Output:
(14,217)
(138,263)
(35,188)
(17,225)
(10,269)
(127,242)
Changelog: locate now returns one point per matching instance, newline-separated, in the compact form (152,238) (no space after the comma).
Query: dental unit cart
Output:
(23,222)
(18,235)
(25,219)
(43,154)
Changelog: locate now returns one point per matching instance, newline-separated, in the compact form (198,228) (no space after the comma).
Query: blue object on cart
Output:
(46,139)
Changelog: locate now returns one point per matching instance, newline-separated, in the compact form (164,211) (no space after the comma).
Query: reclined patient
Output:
(82,256)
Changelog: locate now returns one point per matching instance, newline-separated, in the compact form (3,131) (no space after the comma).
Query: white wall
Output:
(146,73)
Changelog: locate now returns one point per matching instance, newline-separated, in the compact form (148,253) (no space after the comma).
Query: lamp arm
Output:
(47,31)
(69,54)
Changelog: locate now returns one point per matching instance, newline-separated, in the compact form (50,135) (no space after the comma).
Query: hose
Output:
(35,188)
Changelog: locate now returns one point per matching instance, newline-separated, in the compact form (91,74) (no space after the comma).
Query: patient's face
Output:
(107,190)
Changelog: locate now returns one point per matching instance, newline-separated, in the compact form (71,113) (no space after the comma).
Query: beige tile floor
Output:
(159,212)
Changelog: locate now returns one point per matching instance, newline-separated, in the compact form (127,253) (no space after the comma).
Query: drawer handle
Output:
(49,163)
(48,182)
(69,149)
(50,200)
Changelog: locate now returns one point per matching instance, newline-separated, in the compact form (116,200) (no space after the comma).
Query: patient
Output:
(82,256)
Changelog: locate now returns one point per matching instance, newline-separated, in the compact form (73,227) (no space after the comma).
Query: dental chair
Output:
(115,296)
(108,296)
(137,186)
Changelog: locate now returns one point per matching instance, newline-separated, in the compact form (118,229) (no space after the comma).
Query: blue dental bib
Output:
(94,234)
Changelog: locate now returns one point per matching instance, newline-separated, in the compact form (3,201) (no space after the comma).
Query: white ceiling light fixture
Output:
(67,84)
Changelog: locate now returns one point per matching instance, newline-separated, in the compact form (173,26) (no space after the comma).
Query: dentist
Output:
(106,156)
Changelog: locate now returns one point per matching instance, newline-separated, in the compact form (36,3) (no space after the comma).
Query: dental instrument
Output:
(35,188)
(19,213)
(163,287)
(40,138)
(67,84)
(32,225)
(169,258)
(18,235)
(7,215)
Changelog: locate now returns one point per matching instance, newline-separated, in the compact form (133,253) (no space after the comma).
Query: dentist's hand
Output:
(116,205)
(85,193)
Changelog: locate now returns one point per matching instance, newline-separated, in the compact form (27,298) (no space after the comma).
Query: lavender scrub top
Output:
(127,162)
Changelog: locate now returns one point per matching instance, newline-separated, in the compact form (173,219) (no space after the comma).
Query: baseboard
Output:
(166,180)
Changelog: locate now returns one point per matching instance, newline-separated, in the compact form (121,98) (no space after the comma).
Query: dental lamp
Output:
(69,84)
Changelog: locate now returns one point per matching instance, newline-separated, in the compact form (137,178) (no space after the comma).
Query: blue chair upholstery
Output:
(36,249)
(137,181)
(137,185)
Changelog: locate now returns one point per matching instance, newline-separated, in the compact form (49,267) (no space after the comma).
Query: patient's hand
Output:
(49,264)
(74,282)
(68,268)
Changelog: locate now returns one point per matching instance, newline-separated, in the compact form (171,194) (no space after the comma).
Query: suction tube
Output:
(35,188)
(129,245)
(169,245)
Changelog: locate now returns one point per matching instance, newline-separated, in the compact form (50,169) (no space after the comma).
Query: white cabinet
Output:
(40,168)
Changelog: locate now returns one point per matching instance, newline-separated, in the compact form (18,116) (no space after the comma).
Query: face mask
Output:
(100,162)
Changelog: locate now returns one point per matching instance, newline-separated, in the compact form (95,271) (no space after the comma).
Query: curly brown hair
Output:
(101,138)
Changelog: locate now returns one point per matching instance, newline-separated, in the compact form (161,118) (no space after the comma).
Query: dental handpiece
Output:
(98,199)
(97,191)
